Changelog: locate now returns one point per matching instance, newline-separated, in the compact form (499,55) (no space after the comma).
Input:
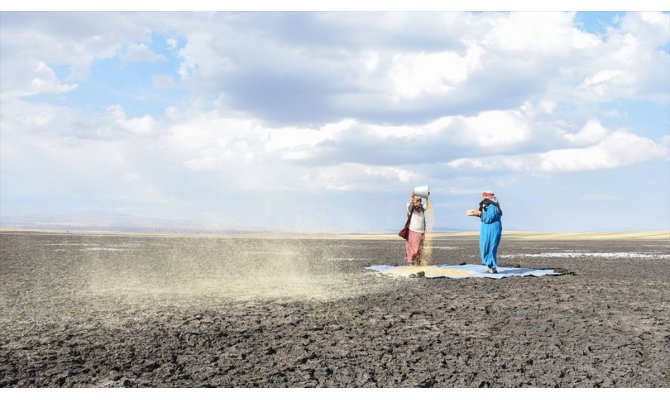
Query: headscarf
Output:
(487,194)
(489,198)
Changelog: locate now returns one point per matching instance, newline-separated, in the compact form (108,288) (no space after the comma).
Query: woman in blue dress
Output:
(491,230)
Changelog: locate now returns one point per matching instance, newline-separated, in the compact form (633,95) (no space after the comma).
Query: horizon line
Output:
(508,234)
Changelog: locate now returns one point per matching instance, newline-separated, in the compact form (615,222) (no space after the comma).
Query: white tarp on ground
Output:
(460,271)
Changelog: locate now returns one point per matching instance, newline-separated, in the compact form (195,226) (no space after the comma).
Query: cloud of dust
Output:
(236,269)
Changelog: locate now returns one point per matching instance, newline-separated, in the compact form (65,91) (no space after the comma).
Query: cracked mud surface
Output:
(83,310)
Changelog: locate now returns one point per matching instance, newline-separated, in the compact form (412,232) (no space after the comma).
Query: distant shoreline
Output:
(507,235)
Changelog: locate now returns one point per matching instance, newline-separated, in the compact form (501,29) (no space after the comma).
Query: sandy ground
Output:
(98,310)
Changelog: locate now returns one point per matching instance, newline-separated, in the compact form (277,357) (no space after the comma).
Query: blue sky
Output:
(324,121)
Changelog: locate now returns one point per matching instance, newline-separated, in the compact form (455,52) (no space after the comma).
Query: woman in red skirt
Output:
(417,230)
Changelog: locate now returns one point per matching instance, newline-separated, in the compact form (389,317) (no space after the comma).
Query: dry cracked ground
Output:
(101,310)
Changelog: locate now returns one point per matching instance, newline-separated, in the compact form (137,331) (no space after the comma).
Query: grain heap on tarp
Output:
(460,271)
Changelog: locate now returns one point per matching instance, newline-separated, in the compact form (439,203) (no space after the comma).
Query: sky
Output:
(324,121)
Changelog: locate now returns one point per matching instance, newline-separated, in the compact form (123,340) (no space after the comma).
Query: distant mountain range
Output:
(118,222)
(107,222)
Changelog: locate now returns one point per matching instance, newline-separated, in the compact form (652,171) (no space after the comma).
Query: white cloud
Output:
(209,132)
(409,65)
(618,149)
(136,52)
(72,39)
(204,60)
(540,33)
(61,157)
(299,143)
(204,163)
(653,26)
(607,84)
(592,132)
(627,65)
(46,81)
(28,121)
(583,40)
(371,61)
(172,42)
(354,176)
(428,74)
(495,129)
(144,125)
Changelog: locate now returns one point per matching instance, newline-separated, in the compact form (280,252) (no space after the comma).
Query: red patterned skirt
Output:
(414,247)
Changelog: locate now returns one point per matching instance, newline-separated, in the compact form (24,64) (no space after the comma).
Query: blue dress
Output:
(490,234)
